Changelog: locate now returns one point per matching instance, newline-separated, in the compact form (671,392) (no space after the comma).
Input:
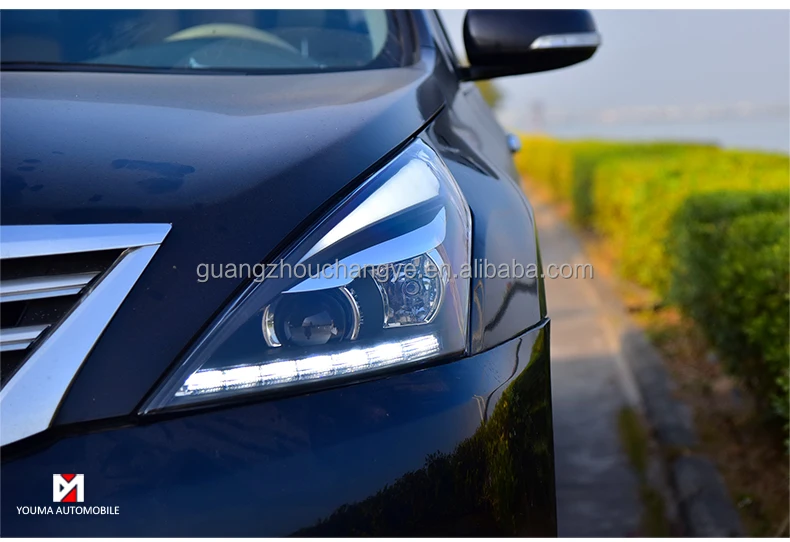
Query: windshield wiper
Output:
(34,66)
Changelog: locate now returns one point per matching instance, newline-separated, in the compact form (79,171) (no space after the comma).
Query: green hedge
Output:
(567,168)
(634,201)
(732,275)
(549,162)
(588,157)
(703,227)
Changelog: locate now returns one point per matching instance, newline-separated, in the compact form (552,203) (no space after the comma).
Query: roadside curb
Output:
(698,492)
(703,503)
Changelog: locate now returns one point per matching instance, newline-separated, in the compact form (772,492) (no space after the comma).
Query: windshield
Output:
(191,40)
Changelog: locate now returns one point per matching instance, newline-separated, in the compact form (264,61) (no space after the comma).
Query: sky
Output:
(691,74)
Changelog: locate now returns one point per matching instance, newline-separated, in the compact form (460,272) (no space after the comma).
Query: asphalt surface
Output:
(597,489)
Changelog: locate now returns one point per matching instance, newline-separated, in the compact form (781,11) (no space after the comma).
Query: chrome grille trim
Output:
(41,287)
(30,399)
(47,240)
(19,338)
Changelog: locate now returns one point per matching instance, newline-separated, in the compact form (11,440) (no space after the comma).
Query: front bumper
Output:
(463,448)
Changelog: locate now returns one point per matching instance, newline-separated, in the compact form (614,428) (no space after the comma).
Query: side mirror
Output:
(511,42)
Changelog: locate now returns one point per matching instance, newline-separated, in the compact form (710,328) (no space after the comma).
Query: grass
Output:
(635,440)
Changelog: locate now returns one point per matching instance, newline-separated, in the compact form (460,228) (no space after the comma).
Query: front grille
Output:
(60,285)
(36,293)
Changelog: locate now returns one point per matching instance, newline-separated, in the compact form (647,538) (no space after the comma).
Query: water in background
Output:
(768,134)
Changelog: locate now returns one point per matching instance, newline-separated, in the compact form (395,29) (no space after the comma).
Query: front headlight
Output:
(382,281)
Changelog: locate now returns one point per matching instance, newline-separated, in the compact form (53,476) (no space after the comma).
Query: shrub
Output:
(732,276)
(634,201)
(568,168)
(702,227)
(589,156)
(548,162)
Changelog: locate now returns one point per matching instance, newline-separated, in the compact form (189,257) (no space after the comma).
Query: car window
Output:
(183,40)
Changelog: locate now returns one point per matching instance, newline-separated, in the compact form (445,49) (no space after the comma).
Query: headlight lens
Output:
(380,282)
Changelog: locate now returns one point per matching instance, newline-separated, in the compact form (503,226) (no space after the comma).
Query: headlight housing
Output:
(382,281)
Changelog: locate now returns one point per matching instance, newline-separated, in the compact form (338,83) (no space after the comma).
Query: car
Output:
(271,273)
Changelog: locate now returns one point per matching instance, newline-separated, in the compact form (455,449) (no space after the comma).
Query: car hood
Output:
(239,165)
(104,147)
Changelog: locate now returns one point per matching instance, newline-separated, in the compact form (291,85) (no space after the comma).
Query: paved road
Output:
(597,490)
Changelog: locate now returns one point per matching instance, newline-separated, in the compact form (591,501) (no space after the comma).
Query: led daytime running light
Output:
(309,368)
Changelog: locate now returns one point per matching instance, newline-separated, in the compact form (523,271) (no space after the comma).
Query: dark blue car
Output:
(271,273)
